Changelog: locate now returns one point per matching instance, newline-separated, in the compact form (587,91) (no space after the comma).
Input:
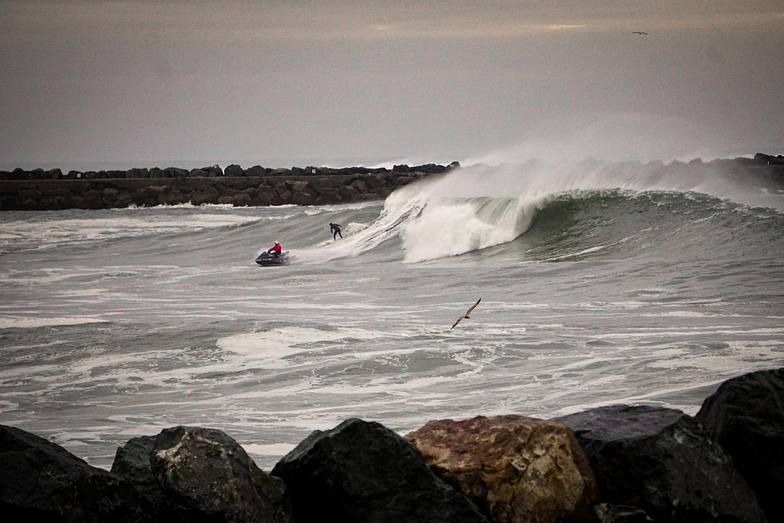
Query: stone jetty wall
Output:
(41,190)
(612,464)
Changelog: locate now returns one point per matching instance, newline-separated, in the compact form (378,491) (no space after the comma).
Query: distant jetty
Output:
(44,190)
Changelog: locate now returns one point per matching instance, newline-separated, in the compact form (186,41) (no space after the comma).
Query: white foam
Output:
(8,406)
(19,322)
(269,348)
(289,336)
(270,449)
(460,213)
(680,314)
(130,223)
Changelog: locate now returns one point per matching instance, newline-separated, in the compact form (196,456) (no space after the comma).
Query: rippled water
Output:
(115,324)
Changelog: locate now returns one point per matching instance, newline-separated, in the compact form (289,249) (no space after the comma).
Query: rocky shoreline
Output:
(43,190)
(617,463)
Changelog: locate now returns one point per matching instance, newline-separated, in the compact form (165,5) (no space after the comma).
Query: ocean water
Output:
(599,284)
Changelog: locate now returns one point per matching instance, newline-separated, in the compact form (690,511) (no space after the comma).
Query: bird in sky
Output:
(467,315)
(639,33)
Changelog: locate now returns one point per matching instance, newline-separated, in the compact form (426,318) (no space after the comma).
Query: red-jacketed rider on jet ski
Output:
(275,250)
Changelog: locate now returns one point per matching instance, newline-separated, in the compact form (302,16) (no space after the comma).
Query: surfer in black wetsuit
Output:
(334,228)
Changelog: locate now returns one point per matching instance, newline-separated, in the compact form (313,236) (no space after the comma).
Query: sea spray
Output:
(481,206)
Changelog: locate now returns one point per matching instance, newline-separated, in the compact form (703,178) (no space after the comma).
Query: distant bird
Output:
(467,315)
(639,33)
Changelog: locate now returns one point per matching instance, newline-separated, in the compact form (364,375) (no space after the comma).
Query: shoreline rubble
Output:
(613,464)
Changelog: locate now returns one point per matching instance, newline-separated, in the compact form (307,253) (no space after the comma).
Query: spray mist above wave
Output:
(484,204)
(614,137)
(481,206)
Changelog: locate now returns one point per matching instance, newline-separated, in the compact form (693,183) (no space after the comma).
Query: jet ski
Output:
(270,259)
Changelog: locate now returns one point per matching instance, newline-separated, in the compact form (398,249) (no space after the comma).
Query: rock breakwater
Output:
(41,190)
(617,464)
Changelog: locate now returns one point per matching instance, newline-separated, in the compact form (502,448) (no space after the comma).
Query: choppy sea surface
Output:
(599,285)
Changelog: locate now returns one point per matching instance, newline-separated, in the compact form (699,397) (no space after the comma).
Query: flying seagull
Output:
(639,33)
(467,315)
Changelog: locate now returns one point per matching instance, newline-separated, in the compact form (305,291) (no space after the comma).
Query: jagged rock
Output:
(173,197)
(746,417)
(516,469)
(241,200)
(137,173)
(132,462)
(42,482)
(146,197)
(609,513)
(303,198)
(663,462)
(256,170)
(30,194)
(349,193)
(363,472)
(234,170)
(90,199)
(214,171)
(360,186)
(208,476)
(281,188)
(404,180)
(205,194)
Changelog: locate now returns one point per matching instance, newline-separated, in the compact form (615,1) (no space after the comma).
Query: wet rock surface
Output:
(40,481)
(649,464)
(199,474)
(663,462)
(513,467)
(746,417)
(363,472)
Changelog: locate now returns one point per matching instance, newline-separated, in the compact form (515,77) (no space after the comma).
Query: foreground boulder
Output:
(363,472)
(663,462)
(43,482)
(746,417)
(198,474)
(132,462)
(516,469)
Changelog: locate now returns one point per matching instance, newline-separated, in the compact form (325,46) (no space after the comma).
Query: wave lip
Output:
(458,226)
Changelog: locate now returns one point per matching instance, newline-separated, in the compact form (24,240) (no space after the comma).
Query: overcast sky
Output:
(257,82)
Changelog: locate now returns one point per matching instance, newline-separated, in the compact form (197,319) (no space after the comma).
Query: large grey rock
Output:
(746,417)
(132,462)
(663,462)
(207,473)
(196,474)
(363,472)
(42,482)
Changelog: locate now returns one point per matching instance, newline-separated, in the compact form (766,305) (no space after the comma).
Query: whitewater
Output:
(600,283)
